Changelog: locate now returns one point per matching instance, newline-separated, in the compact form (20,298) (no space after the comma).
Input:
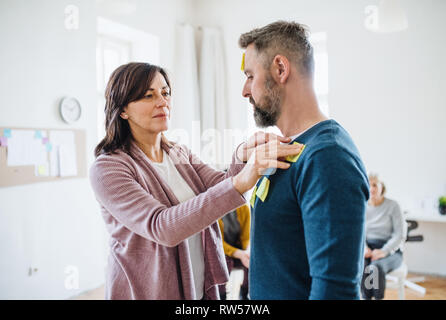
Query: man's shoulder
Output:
(331,141)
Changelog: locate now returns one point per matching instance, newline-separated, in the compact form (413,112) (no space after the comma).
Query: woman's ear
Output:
(281,68)
(124,114)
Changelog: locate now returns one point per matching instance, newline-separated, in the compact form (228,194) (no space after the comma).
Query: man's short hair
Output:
(282,37)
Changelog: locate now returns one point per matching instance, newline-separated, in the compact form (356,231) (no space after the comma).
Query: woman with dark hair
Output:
(386,232)
(160,203)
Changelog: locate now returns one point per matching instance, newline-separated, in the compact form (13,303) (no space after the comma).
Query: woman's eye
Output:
(166,94)
(148,96)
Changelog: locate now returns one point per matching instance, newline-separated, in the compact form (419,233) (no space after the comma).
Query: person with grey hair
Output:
(307,229)
(386,232)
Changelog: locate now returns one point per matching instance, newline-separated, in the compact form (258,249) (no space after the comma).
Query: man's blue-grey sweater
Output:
(307,237)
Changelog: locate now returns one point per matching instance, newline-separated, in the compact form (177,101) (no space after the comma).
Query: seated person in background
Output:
(235,235)
(386,232)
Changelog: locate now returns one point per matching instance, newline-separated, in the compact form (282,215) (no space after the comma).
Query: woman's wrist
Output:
(238,184)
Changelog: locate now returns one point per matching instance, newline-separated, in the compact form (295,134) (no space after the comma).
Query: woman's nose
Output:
(162,102)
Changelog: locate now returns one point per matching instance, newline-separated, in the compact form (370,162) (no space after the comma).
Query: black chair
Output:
(412,225)
(398,276)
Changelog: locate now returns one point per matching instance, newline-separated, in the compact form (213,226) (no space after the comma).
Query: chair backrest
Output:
(412,225)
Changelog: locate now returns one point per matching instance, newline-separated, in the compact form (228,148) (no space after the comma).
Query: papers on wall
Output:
(25,149)
(63,157)
(53,155)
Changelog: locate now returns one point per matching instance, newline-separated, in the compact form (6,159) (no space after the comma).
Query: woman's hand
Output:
(264,156)
(245,150)
(378,254)
(367,252)
(243,255)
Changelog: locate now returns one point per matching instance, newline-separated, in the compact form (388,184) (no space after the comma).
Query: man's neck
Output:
(300,111)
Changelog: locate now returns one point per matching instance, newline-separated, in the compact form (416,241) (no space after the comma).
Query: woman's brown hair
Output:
(127,83)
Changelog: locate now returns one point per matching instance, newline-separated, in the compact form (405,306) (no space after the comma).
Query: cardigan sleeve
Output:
(209,175)
(115,186)
(399,232)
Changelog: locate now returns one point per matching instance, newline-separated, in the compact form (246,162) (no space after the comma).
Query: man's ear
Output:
(281,68)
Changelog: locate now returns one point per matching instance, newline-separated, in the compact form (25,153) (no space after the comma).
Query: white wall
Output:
(53,225)
(387,90)
(48,226)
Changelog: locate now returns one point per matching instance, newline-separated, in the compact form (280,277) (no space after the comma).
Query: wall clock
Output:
(70,109)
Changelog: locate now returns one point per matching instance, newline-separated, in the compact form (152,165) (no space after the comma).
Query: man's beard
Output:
(267,110)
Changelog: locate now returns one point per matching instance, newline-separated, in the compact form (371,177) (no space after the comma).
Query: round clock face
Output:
(70,109)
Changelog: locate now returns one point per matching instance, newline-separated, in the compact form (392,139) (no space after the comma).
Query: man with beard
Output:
(307,229)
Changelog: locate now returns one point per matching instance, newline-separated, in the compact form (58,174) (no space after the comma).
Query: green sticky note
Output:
(296,157)
(253,197)
(262,191)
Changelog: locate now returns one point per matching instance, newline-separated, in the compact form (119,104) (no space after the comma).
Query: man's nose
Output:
(246,92)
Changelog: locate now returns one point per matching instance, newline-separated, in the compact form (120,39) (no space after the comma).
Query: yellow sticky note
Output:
(296,157)
(243,62)
(42,170)
(262,191)
(253,197)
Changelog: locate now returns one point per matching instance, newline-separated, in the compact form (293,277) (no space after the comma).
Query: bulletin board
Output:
(13,175)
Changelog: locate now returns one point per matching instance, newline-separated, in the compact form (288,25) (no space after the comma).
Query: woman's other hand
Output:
(243,255)
(378,254)
(367,252)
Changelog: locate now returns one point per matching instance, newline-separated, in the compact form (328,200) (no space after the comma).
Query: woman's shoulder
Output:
(106,161)
(392,204)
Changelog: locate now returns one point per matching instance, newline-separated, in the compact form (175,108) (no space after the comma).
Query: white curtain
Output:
(212,82)
(186,100)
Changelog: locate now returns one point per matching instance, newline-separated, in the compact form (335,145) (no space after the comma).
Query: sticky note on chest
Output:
(295,157)
(262,191)
(253,197)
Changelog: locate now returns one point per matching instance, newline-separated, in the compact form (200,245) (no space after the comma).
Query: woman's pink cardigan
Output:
(149,257)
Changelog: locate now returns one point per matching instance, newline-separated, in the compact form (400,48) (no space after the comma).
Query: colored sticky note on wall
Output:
(7,133)
(42,169)
(38,134)
(49,147)
(262,191)
(45,140)
(3,141)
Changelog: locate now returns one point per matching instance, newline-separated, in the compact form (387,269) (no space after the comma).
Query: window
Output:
(110,54)
(118,44)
